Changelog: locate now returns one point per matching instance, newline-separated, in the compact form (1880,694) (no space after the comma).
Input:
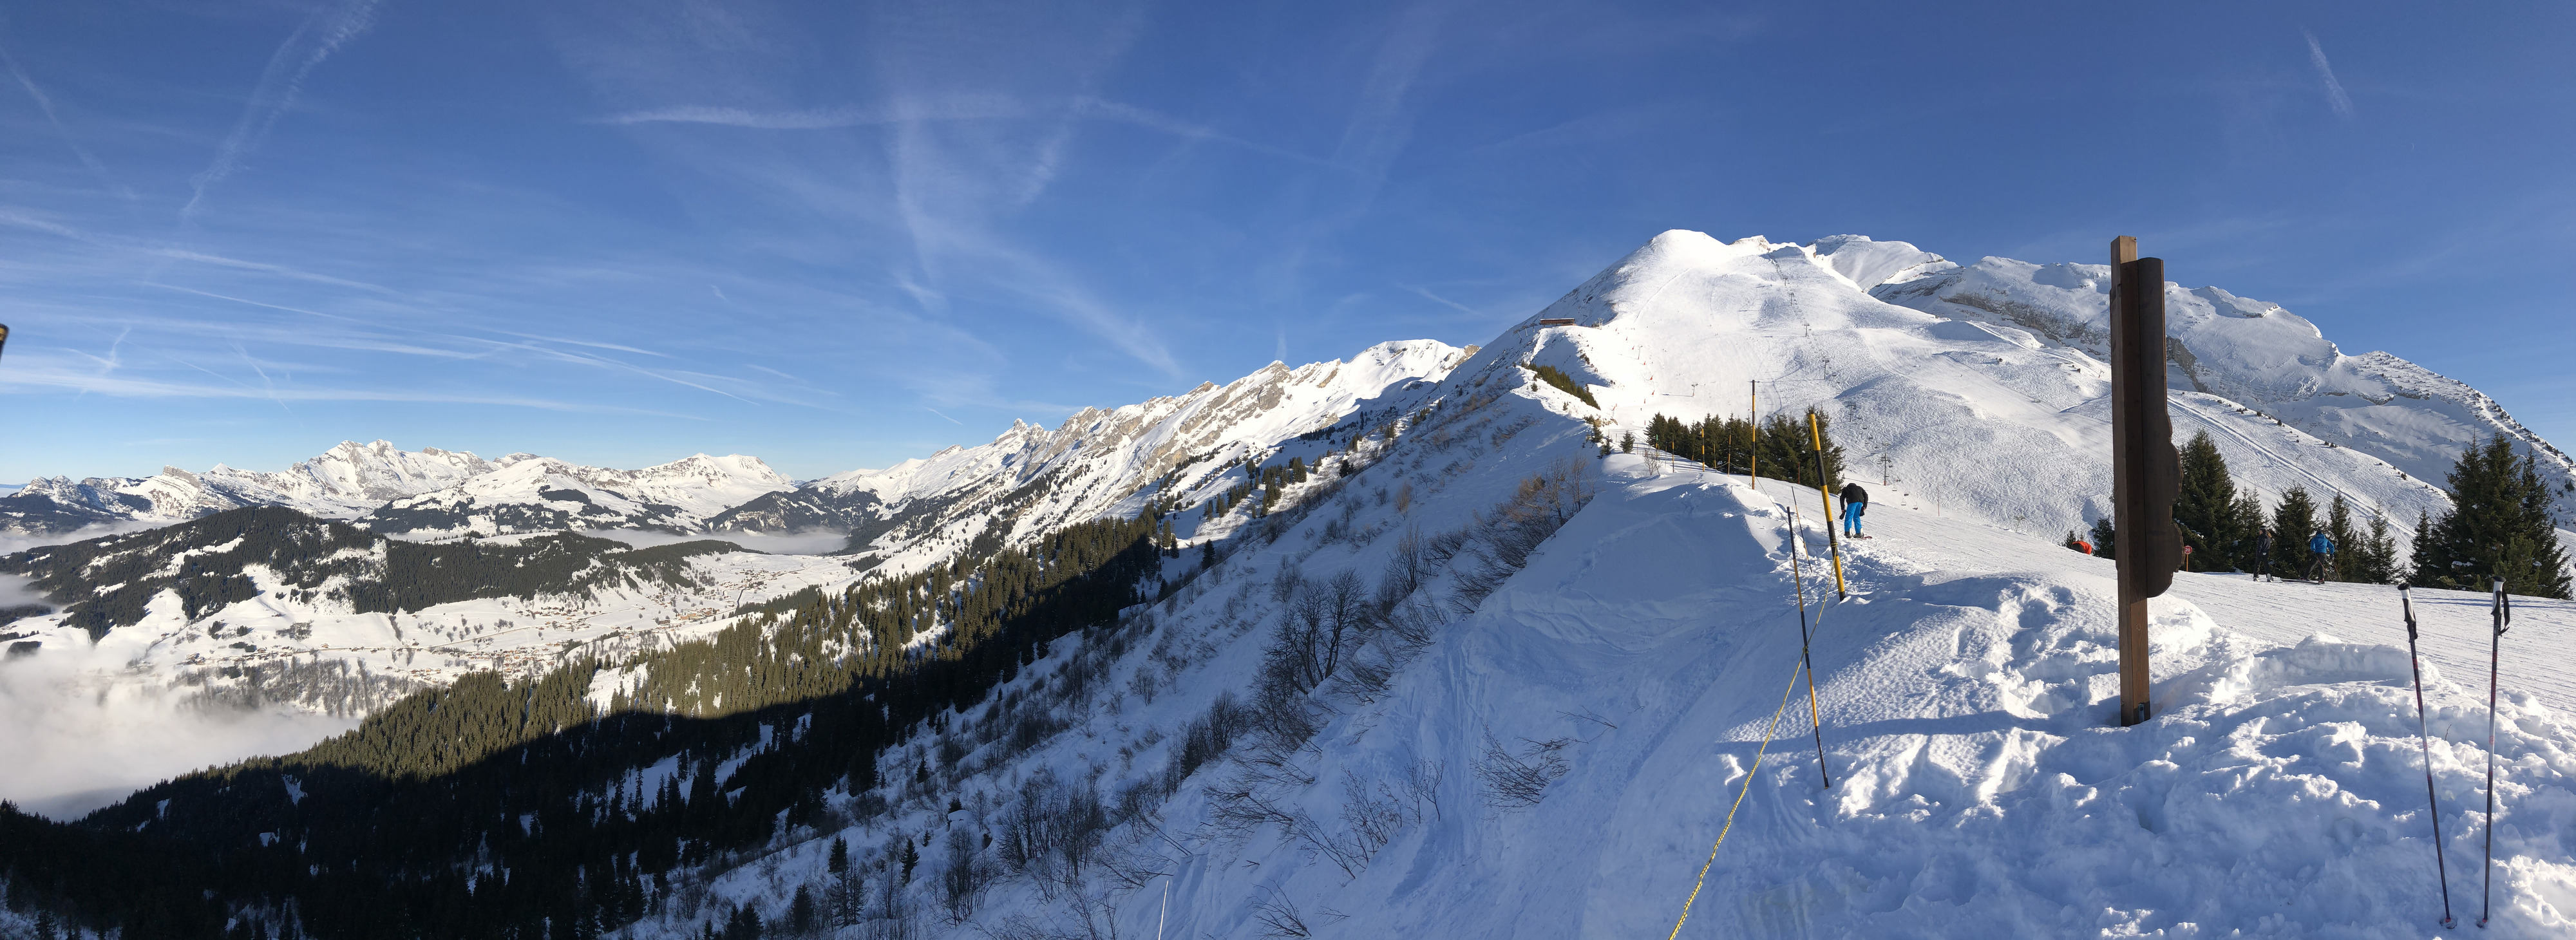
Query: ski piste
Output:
(2424,737)
(2503,613)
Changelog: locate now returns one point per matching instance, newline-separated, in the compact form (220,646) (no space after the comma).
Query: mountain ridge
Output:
(1377,653)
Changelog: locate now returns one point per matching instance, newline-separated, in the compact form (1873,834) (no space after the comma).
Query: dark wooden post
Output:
(2146,473)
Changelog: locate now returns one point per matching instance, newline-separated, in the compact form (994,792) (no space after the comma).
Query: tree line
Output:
(2499,525)
(1785,447)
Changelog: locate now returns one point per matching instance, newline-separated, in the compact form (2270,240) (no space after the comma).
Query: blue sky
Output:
(837,235)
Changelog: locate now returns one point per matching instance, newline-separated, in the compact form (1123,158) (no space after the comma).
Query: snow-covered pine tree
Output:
(2498,526)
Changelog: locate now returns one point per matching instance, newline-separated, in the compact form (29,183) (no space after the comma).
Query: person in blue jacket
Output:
(2321,551)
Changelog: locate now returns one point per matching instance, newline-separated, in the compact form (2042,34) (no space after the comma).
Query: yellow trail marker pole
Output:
(1816,431)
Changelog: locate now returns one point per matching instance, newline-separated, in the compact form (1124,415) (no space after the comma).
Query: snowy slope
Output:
(1100,461)
(2249,352)
(1967,694)
(1633,670)
(2004,417)
(1966,691)
(1979,791)
(344,482)
(541,494)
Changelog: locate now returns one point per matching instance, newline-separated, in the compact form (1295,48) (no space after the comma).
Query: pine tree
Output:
(2498,527)
(2292,522)
(2206,506)
(800,913)
(2105,538)
(2348,548)
(2247,513)
(2378,555)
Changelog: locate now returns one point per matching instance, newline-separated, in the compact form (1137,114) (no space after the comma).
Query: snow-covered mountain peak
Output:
(1032,479)
(1869,264)
(1941,377)
(534,494)
(340,483)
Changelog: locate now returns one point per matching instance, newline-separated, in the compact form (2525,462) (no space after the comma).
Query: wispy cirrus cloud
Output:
(45,104)
(2335,97)
(322,33)
(20,219)
(35,372)
(951,108)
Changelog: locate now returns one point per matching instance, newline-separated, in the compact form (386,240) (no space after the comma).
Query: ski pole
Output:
(2424,736)
(1815,715)
(2503,613)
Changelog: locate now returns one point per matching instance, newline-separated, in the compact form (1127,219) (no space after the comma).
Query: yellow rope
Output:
(1739,798)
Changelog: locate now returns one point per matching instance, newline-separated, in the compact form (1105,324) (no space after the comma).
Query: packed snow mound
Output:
(342,483)
(542,494)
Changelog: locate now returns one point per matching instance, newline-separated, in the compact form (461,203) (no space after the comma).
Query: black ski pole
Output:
(2503,612)
(1814,715)
(2424,736)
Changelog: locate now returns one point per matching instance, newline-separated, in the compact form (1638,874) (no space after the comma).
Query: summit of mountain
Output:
(1982,387)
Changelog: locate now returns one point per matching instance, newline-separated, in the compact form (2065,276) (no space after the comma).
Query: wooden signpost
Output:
(2146,472)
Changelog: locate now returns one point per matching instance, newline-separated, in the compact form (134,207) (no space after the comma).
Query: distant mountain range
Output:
(2011,362)
(424,493)
(1094,462)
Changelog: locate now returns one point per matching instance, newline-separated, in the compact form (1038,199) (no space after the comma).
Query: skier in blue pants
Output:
(1855,500)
